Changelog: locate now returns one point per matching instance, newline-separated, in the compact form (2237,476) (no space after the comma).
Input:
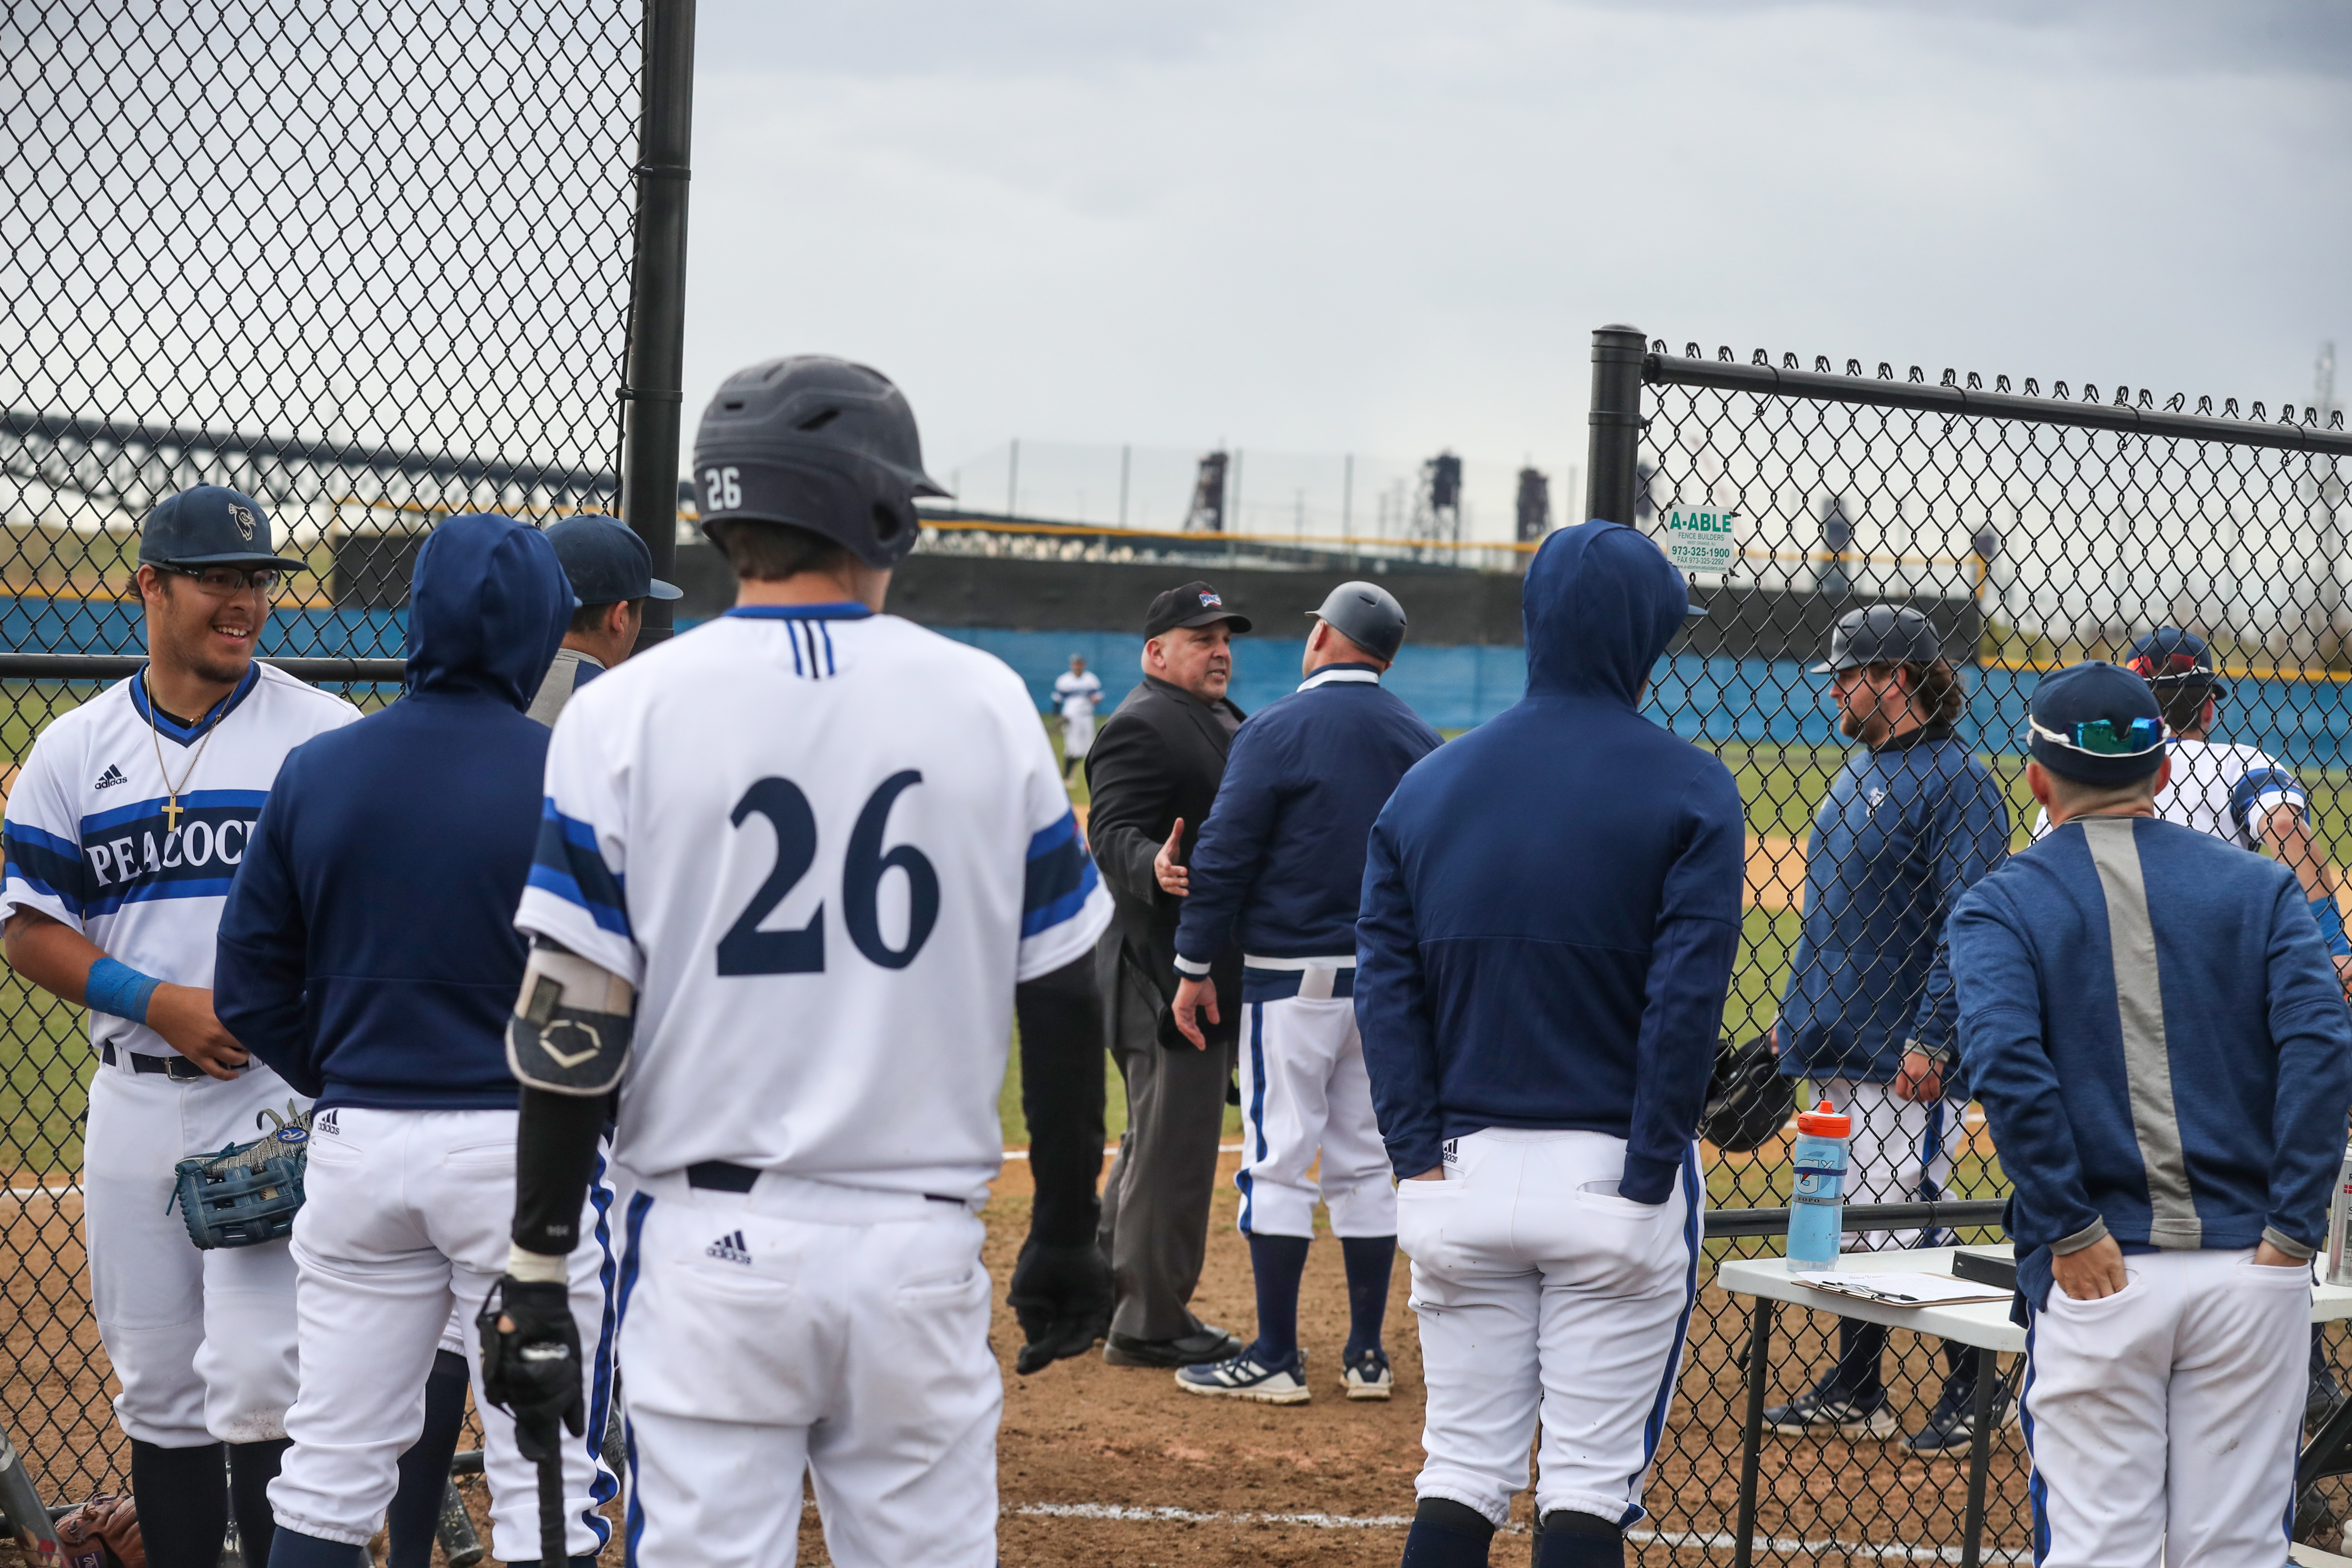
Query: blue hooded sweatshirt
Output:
(368,949)
(1551,903)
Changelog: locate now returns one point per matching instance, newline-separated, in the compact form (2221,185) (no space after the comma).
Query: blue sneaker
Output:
(1247,1377)
(1821,1410)
(1952,1425)
(1367,1376)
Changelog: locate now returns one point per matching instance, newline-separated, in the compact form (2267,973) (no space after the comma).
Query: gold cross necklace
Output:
(173,809)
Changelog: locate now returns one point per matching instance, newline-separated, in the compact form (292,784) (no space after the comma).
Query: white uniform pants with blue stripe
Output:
(2163,1420)
(1542,1293)
(405,1216)
(805,1328)
(1304,1093)
(1902,1152)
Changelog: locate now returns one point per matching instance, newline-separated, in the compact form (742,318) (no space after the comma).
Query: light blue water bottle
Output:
(1817,1197)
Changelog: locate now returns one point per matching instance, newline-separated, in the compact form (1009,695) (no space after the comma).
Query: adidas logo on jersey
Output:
(730,1249)
(110,778)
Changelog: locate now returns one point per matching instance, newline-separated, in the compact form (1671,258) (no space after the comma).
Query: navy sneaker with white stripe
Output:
(1247,1377)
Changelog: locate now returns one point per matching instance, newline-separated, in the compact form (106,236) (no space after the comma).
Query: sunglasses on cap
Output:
(2100,738)
(2171,667)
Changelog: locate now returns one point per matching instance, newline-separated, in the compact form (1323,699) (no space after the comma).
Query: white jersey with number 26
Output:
(823,844)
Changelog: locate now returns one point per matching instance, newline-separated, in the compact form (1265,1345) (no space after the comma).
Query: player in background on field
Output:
(817,930)
(368,953)
(2151,1023)
(1077,694)
(612,574)
(2238,794)
(1911,822)
(124,828)
(1550,912)
(1281,864)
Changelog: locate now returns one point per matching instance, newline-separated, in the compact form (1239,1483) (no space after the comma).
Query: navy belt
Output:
(179,1068)
(726,1177)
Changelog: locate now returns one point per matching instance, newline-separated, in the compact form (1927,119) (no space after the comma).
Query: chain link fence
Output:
(369,261)
(2033,531)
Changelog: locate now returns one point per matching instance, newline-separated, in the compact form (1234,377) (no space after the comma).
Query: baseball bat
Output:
(552,1553)
(460,1546)
(28,1518)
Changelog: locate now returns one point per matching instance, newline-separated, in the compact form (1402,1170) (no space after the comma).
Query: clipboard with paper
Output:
(1901,1289)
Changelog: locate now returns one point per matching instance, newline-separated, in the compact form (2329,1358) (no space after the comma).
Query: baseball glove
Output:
(102,1533)
(248,1192)
(1747,1100)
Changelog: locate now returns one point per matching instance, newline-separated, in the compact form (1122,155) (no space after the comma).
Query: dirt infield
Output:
(1104,1465)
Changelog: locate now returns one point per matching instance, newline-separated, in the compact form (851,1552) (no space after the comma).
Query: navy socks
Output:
(1278,1262)
(1369,1259)
(1580,1540)
(1447,1534)
(183,1503)
(251,1467)
(296,1550)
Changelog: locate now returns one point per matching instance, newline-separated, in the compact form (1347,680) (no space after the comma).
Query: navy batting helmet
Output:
(820,444)
(1367,614)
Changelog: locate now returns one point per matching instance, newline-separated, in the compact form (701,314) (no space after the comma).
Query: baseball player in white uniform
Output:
(1077,693)
(824,923)
(2236,793)
(129,819)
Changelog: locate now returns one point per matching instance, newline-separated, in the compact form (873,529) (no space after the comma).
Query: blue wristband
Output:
(2331,925)
(115,987)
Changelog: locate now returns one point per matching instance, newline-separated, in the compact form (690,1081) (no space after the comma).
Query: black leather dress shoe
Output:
(1205,1343)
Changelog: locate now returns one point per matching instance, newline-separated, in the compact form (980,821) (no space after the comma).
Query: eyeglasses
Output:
(2100,738)
(227,579)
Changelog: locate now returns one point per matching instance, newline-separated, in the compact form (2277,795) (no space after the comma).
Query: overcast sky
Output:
(1386,226)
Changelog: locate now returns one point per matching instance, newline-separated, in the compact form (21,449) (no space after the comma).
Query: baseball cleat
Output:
(1820,1410)
(1952,1425)
(1367,1376)
(1245,1378)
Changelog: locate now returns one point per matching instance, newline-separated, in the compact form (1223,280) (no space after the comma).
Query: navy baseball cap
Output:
(2170,656)
(2096,723)
(210,525)
(607,562)
(1880,634)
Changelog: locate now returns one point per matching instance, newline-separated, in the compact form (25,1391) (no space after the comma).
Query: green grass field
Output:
(44,1050)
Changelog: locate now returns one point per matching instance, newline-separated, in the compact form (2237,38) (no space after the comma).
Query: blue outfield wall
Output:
(1757,700)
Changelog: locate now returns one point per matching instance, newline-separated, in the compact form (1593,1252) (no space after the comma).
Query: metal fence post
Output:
(657,309)
(1613,461)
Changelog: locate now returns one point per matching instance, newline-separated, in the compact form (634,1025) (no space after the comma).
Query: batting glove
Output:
(530,1361)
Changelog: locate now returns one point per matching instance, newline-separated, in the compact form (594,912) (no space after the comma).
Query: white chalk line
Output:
(1711,1541)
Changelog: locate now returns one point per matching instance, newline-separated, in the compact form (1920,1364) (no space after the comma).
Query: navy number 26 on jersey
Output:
(748,949)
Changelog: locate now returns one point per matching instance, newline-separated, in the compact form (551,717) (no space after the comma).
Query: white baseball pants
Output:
(405,1224)
(1303,1093)
(1542,1294)
(1901,1152)
(203,1342)
(805,1328)
(2163,1420)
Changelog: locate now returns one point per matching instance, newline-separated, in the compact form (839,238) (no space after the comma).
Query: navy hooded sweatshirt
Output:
(368,949)
(1551,903)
